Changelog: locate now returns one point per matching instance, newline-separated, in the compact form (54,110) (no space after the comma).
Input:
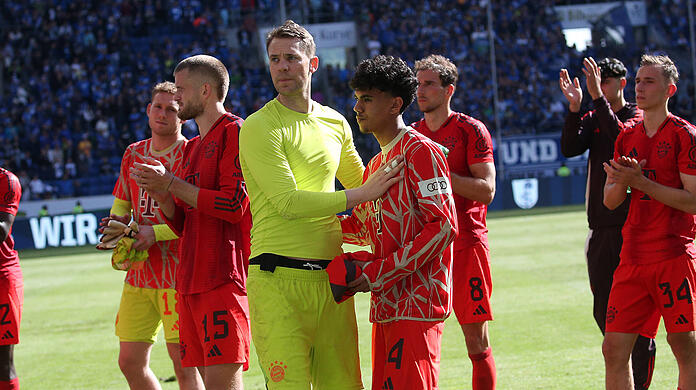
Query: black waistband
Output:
(269,261)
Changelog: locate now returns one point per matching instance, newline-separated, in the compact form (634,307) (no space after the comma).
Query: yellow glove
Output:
(125,258)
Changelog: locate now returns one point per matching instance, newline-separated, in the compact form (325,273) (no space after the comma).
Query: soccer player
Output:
(410,229)
(291,151)
(211,215)
(473,182)
(148,300)
(11,281)
(597,131)
(654,158)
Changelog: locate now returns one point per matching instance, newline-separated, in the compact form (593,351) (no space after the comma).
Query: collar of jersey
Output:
(386,148)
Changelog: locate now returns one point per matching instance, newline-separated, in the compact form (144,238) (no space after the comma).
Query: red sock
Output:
(484,375)
(10,385)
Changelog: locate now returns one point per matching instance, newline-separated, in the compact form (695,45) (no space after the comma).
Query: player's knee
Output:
(613,352)
(129,365)
(185,374)
(683,346)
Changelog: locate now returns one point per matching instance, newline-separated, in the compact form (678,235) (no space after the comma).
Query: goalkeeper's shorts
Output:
(301,334)
(144,311)
(11,302)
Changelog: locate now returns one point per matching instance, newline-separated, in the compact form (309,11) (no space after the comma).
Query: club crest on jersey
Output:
(663,148)
(435,186)
(210,149)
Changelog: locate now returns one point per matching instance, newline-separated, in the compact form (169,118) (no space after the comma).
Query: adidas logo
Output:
(215,351)
(681,320)
(7,335)
(175,327)
(388,385)
(480,310)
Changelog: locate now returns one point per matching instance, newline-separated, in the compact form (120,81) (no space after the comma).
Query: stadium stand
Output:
(75,75)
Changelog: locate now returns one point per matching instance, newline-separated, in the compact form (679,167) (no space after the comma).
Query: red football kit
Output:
(11,282)
(469,142)
(410,229)
(657,272)
(214,250)
(163,256)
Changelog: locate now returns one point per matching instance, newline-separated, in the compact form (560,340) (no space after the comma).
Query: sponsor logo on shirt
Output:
(481,144)
(633,153)
(692,157)
(435,186)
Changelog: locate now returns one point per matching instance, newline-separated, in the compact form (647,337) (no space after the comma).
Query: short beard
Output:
(428,109)
(191,111)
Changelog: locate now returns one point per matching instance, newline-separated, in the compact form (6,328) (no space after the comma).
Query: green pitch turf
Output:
(543,335)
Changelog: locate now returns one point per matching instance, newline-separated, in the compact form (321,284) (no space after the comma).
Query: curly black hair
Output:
(611,67)
(388,74)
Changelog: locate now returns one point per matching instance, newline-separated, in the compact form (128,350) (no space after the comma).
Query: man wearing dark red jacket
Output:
(208,207)
(597,131)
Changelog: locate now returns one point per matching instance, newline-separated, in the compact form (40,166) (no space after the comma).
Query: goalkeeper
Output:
(148,300)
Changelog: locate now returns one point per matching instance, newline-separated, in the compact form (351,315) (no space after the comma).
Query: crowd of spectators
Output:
(76,75)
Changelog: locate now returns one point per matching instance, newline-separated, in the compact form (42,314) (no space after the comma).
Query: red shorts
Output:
(641,293)
(214,327)
(11,301)
(406,354)
(471,283)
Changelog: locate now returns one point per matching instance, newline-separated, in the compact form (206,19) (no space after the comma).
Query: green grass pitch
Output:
(543,335)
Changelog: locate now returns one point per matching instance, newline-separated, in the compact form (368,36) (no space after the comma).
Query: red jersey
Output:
(163,256)
(10,193)
(469,142)
(410,229)
(654,232)
(215,245)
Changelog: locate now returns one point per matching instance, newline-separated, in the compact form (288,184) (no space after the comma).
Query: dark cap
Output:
(611,67)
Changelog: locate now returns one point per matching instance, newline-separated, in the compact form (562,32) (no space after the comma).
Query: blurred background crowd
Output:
(76,75)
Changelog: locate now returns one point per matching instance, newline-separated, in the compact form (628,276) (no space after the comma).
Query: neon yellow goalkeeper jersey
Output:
(290,161)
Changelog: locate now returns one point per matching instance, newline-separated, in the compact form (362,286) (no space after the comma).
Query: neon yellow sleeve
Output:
(120,207)
(350,169)
(261,149)
(164,233)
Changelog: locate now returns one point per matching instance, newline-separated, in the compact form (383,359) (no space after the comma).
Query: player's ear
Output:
(671,90)
(397,103)
(313,64)
(206,89)
(450,90)
(623,82)
(147,110)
